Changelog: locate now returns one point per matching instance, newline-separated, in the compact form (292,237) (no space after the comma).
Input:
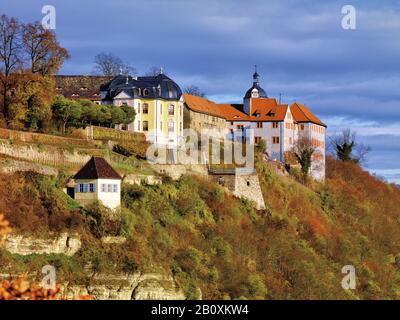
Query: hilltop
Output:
(208,239)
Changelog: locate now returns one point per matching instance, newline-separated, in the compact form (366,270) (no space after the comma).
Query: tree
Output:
(262,146)
(130,114)
(66,111)
(346,148)
(117,116)
(194,90)
(303,151)
(10,57)
(155,71)
(107,64)
(42,48)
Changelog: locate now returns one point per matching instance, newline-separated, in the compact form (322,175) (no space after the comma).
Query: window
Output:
(146,92)
(248,183)
(171,110)
(81,187)
(240,127)
(275,140)
(290,140)
(274,125)
(92,187)
(257,140)
(259,125)
(138,107)
(145,108)
(302,127)
(161,125)
(124,103)
(109,188)
(171,126)
(145,126)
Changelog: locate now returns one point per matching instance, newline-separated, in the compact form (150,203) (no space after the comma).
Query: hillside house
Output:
(98,181)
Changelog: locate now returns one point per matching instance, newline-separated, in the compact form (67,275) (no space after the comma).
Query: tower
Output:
(254,92)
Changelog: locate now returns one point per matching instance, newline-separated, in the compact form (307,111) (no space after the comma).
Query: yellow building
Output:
(157,103)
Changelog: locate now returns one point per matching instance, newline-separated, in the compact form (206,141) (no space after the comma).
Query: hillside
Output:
(210,240)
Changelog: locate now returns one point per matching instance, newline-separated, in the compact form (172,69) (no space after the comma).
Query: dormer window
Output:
(84,89)
(59,88)
(146,92)
(75,95)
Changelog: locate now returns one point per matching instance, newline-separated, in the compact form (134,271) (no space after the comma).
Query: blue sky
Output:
(349,78)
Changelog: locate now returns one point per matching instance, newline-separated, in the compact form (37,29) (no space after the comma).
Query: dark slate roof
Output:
(97,168)
(159,86)
(80,87)
(261,91)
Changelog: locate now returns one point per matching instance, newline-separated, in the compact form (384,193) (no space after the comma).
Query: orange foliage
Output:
(21,289)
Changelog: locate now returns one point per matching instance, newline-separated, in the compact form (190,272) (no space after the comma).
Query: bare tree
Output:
(44,52)
(346,148)
(107,64)
(194,90)
(155,71)
(10,58)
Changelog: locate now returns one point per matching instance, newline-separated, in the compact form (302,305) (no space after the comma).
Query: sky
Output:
(350,78)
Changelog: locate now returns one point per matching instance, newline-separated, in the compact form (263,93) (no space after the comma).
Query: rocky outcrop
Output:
(137,286)
(113,240)
(60,244)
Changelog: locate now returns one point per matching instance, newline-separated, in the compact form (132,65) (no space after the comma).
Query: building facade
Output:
(98,181)
(157,103)
(279,125)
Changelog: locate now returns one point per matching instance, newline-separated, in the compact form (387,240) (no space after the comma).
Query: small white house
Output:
(98,181)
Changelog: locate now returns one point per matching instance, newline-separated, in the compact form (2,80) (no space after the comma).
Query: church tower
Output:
(254,92)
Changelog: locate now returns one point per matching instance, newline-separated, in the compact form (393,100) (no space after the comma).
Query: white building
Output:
(98,181)
(279,125)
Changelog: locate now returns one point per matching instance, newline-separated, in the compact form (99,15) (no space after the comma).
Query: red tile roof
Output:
(202,105)
(263,109)
(302,114)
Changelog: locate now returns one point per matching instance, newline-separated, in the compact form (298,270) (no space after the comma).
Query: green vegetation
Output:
(210,240)
(80,113)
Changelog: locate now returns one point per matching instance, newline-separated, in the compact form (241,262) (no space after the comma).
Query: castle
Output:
(163,112)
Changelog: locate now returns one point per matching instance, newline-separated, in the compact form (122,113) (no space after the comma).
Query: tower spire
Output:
(256,76)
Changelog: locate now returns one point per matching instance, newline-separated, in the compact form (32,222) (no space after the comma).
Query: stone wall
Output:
(142,179)
(248,186)
(48,155)
(9,166)
(176,171)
